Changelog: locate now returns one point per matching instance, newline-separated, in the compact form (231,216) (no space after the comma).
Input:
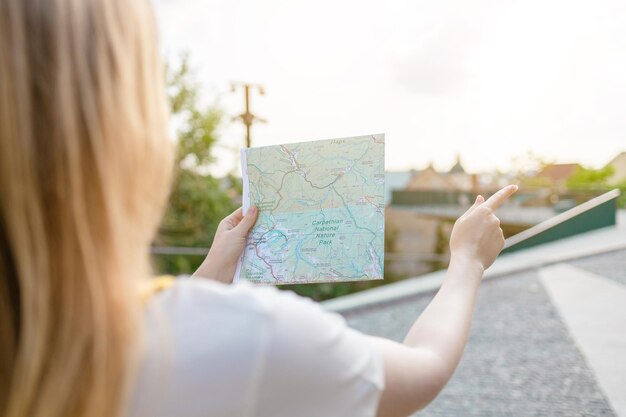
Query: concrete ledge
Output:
(594,214)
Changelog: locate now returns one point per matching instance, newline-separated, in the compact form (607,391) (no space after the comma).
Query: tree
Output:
(587,179)
(198,200)
(621,202)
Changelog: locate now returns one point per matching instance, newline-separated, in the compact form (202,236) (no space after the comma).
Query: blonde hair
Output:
(85,166)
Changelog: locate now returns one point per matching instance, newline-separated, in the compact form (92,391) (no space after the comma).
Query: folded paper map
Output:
(321,211)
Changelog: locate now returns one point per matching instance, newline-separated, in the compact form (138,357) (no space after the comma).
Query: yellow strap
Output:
(155,285)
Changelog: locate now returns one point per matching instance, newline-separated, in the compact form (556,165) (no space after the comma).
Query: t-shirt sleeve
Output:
(314,364)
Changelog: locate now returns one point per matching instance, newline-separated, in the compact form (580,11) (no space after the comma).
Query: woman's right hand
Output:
(477,236)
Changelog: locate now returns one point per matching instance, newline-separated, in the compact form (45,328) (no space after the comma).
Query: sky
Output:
(491,80)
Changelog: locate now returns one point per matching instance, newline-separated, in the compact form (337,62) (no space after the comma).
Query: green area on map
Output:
(321,211)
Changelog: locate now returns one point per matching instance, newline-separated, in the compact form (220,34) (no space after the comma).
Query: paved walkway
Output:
(548,336)
(546,342)
(594,309)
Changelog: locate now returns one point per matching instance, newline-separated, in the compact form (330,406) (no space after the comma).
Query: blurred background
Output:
(471,96)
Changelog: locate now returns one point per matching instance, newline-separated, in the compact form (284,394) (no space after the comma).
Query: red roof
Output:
(558,172)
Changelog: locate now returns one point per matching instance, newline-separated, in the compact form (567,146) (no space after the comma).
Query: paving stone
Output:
(610,265)
(520,360)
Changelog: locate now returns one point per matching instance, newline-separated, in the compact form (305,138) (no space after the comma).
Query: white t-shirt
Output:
(215,350)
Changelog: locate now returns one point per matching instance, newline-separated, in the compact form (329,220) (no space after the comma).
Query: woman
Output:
(85,165)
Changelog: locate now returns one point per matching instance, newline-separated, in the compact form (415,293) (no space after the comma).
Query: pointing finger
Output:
(500,197)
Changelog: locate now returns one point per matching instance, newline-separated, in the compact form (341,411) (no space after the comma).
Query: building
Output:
(419,217)
(396,180)
(619,165)
(412,239)
(555,176)
(429,179)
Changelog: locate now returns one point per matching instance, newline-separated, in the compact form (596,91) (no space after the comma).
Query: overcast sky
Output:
(490,79)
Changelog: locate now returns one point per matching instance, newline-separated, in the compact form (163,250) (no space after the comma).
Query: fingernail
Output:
(252,209)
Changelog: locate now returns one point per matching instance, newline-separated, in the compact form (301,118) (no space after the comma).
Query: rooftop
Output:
(548,337)
(558,172)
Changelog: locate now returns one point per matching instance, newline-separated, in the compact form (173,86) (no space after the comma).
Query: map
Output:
(321,211)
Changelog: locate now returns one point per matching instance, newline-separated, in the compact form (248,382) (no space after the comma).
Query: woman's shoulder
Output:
(246,346)
(197,295)
(200,337)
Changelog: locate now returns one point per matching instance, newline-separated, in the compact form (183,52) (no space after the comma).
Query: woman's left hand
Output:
(230,239)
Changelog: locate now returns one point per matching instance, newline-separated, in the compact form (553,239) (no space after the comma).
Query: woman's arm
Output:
(417,370)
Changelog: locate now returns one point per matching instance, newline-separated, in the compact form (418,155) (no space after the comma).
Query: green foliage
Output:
(587,179)
(196,126)
(198,200)
(621,202)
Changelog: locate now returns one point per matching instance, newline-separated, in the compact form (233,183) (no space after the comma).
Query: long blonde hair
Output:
(85,166)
